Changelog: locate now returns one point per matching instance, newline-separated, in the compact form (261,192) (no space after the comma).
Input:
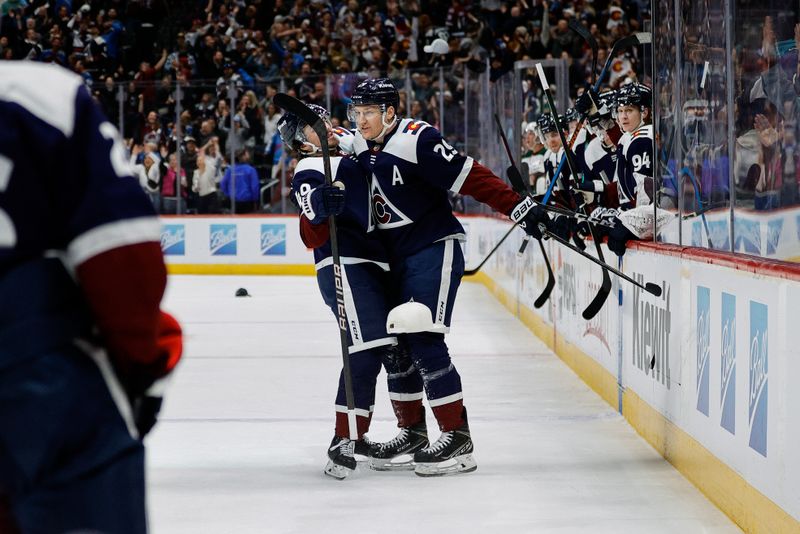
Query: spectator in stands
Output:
(205,178)
(169,193)
(147,172)
(243,183)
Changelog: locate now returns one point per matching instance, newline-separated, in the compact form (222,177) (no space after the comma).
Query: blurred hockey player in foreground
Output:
(364,276)
(84,348)
(412,168)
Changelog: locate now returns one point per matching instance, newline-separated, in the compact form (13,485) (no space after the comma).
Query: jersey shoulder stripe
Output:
(45,91)
(316,164)
(403,143)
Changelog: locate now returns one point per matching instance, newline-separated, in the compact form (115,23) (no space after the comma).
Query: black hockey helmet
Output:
(546,123)
(635,94)
(572,115)
(290,127)
(377,91)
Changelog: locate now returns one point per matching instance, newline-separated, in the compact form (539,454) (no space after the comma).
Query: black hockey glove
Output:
(618,238)
(562,226)
(322,202)
(530,215)
(587,101)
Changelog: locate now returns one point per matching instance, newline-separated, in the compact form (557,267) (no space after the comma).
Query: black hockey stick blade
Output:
(653,289)
(470,272)
(551,279)
(597,302)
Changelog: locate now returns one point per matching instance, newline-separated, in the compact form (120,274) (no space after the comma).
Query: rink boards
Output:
(705,372)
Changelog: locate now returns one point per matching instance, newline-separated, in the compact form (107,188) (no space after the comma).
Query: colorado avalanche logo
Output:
(385,214)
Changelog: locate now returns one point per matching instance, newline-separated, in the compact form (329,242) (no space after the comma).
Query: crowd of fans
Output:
(231,57)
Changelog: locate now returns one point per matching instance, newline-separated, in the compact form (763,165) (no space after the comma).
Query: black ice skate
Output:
(397,454)
(341,459)
(450,455)
(363,448)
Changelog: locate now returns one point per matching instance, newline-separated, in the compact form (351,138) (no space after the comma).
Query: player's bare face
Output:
(552,141)
(629,117)
(312,137)
(368,121)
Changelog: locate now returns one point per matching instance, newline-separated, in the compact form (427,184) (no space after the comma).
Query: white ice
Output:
(241,442)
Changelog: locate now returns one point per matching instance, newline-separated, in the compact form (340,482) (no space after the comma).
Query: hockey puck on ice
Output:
(242,292)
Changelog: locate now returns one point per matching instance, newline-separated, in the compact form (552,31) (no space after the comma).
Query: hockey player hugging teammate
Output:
(364,277)
(411,168)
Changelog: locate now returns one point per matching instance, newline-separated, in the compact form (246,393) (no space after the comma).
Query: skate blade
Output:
(337,471)
(404,462)
(454,466)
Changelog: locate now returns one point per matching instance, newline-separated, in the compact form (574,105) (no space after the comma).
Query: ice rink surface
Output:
(242,439)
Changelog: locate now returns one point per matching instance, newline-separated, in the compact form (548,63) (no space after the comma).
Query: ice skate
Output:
(449,455)
(341,458)
(362,449)
(398,453)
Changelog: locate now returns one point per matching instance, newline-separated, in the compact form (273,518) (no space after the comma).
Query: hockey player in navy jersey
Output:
(634,172)
(365,266)
(412,168)
(600,156)
(84,347)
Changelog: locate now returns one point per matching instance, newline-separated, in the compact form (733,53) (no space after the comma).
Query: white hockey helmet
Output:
(412,317)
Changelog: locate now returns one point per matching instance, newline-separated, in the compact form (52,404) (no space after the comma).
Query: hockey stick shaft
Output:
(650,287)
(523,188)
(605,289)
(305,114)
(470,272)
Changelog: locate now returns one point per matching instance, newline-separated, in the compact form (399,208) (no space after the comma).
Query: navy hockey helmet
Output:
(635,94)
(572,115)
(376,91)
(546,123)
(290,128)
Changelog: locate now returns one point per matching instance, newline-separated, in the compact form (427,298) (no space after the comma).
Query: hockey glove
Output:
(146,402)
(618,238)
(530,215)
(322,202)
(587,101)
(562,226)
(589,188)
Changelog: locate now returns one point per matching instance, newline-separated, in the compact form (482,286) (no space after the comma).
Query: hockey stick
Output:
(650,287)
(295,106)
(521,186)
(605,288)
(630,40)
(470,272)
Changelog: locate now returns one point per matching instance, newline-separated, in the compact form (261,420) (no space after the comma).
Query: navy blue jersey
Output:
(635,167)
(65,180)
(355,234)
(412,171)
